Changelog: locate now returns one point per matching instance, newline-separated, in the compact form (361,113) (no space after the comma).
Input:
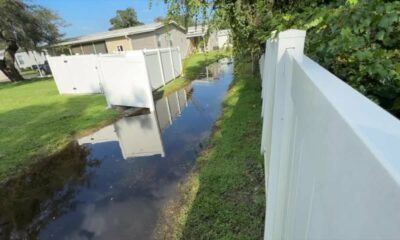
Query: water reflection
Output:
(115,184)
(149,126)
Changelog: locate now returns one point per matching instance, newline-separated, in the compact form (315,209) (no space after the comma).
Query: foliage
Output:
(125,18)
(28,25)
(36,121)
(24,26)
(159,19)
(358,40)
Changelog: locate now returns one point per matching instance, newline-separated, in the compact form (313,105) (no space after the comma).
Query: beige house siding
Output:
(113,43)
(143,40)
(179,40)
(175,37)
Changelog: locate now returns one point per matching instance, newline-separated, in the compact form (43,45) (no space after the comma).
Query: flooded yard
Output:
(114,183)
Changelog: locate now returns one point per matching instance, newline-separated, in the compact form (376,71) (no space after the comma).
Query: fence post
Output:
(289,45)
(149,91)
(161,66)
(180,60)
(172,62)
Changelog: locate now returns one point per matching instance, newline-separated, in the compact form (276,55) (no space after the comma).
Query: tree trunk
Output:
(7,65)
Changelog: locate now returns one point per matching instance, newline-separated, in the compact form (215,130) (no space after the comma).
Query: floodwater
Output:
(114,183)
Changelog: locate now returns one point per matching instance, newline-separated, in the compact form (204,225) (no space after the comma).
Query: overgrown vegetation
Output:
(36,121)
(192,67)
(224,196)
(358,40)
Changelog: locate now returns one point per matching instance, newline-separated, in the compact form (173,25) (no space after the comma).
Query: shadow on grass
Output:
(29,133)
(224,198)
(32,201)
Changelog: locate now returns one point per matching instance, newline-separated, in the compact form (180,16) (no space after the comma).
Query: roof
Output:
(197,31)
(116,33)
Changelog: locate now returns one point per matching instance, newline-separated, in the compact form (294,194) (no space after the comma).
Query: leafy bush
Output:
(358,42)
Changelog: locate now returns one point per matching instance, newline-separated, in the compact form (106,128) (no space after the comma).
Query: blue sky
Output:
(89,16)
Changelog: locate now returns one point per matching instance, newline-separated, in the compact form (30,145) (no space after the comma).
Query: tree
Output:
(125,18)
(24,26)
(159,19)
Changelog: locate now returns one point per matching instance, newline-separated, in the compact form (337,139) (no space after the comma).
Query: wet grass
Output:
(35,121)
(223,198)
(192,67)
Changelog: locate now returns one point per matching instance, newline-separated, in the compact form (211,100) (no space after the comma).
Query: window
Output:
(20,60)
(120,48)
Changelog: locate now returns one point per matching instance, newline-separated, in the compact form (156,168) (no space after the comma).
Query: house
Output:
(201,39)
(27,59)
(153,35)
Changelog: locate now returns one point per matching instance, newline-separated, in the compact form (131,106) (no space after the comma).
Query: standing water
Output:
(114,183)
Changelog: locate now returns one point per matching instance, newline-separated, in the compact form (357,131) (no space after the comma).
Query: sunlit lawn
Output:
(36,121)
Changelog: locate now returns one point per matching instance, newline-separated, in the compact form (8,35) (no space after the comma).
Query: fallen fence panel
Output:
(125,80)
(75,74)
(124,77)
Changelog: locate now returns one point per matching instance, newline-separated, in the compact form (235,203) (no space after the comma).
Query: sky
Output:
(90,16)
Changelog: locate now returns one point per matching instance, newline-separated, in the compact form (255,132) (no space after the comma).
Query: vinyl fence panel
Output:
(154,69)
(167,65)
(75,74)
(176,60)
(125,80)
(332,156)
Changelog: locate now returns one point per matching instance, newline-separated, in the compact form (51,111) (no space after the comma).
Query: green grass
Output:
(29,71)
(224,196)
(35,121)
(192,67)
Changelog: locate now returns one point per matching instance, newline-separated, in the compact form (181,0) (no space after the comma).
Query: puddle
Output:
(113,183)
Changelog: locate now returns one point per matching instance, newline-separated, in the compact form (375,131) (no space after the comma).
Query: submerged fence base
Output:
(126,79)
(332,156)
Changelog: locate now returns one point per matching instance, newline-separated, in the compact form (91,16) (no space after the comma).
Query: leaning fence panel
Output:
(332,156)
(75,74)
(125,81)
(86,74)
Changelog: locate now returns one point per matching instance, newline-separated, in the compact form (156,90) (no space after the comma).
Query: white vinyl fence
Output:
(332,156)
(126,78)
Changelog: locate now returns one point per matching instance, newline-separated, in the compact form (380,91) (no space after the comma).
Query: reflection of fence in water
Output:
(140,136)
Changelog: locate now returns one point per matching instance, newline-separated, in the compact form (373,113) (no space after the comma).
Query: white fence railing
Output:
(126,78)
(332,156)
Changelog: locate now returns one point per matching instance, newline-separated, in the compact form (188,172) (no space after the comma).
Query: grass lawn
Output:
(36,121)
(223,198)
(29,71)
(192,67)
